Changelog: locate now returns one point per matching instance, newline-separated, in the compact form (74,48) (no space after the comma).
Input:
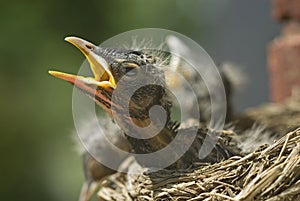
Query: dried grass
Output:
(270,173)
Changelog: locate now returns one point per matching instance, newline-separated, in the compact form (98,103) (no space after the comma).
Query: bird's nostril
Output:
(89,47)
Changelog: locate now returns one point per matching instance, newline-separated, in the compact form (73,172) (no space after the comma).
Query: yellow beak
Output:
(103,79)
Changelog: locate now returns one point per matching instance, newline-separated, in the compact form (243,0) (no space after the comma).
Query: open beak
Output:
(97,87)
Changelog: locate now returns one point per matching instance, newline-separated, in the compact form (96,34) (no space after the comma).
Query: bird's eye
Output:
(130,71)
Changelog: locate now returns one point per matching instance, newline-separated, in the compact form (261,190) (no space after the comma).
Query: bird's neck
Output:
(148,129)
(174,157)
(152,144)
(147,133)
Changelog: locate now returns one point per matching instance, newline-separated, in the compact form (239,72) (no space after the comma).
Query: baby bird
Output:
(117,73)
(131,87)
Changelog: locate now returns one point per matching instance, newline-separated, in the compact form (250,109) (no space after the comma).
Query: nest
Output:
(270,173)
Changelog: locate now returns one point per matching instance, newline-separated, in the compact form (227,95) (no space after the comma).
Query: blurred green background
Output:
(38,157)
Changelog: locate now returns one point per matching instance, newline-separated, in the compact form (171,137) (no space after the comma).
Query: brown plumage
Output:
(117,72)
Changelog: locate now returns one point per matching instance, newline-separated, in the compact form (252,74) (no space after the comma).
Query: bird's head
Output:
(126,83)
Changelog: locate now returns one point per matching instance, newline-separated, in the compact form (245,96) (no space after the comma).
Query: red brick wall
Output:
(284,51)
